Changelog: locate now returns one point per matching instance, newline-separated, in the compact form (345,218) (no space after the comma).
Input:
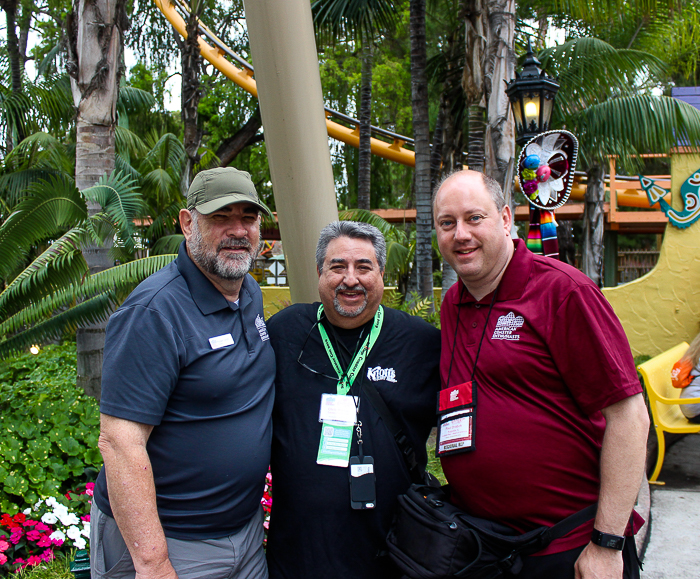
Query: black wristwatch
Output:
(608,541)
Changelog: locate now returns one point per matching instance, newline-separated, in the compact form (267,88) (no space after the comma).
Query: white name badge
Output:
(221,341)
(341,409)
(455,432)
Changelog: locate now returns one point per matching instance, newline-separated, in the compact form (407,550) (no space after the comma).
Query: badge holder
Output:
(456,412)
(363,491)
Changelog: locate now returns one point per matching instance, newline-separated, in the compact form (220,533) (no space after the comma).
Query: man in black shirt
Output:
(336,466)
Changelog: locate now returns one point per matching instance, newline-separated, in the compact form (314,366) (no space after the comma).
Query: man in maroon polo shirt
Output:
(557,420)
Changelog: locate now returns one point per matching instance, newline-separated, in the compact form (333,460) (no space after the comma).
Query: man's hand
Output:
(162,571)
(596,562)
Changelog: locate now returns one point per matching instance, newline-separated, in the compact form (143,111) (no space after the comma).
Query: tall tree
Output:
(95,32)
(421,139)
(362,20)
(191,93)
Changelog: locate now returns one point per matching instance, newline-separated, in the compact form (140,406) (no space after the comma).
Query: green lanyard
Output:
(345,380)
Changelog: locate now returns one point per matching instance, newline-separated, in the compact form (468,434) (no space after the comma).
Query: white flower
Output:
(27,511)
(79,543)
(68,519)
(51,502)
(49,519)
(86,530)
(73,533)
(57,536)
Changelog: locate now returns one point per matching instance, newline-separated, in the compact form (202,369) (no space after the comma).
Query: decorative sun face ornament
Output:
(546,168)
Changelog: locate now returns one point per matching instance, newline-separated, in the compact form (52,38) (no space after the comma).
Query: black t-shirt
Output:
(314,533)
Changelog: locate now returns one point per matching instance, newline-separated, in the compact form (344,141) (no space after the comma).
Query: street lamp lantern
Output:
(531,95)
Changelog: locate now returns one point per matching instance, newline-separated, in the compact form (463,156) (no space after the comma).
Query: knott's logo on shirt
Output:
(378,373)
(506,325)
(262,328)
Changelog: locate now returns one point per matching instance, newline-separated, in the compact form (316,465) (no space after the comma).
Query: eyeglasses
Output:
(334,378)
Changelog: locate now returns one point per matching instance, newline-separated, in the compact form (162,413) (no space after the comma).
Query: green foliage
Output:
(59,568)
(48,428)
(414,305)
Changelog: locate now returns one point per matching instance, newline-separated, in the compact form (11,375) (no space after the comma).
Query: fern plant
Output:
(414,305)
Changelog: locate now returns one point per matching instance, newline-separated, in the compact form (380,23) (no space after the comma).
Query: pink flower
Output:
(42,527)
(29,523)
(33,560)
(57,542)
(3,559)
(16,535)
(85,518)
(19,561)
(89,488)
(44,541)
(47,555)
(33,535)
(4,546)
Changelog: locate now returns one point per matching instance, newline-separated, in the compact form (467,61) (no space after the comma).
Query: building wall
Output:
(662,308)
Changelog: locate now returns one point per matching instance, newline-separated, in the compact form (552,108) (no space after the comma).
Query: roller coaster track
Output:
(341,127)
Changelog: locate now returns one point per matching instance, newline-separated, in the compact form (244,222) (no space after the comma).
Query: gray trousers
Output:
(238,556)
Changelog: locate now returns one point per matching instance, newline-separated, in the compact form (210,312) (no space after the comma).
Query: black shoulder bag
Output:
(431,538)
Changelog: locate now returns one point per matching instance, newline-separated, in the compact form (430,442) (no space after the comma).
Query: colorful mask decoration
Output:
(546,168)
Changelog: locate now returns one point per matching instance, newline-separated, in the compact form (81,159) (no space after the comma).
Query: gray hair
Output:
(353,230)
(490,184)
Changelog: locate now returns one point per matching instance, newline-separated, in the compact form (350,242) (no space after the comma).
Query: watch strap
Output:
(607,540)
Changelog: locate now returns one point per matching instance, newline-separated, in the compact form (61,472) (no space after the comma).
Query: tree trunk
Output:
(365,108)
(421,131)
(476,145)
(499,67)
(15,125)
(190,95)
(594,225)
(96,42)
(247,135)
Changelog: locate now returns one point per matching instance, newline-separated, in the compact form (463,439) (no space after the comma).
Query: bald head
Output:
(490,185)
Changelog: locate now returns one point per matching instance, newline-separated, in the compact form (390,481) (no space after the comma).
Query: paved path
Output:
(673,551)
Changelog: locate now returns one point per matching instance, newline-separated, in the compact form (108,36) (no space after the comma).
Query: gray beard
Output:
(349,313)
(230,268)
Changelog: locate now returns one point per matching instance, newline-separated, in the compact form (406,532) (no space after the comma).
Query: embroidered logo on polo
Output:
(262,328)
(506,326)
(378,373)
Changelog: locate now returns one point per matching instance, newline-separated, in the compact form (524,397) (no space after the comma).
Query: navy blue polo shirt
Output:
(201,370)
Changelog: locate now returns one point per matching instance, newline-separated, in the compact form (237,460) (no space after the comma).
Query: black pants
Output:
(561,565)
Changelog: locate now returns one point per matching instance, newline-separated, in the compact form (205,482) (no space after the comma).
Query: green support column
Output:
(610,259)
(284,55)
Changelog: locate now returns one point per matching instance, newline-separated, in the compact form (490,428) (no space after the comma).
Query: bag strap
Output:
(409,455)
(565,527)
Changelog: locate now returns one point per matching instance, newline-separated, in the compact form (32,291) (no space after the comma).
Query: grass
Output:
(59,568)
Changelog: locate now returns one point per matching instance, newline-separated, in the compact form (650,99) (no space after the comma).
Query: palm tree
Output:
(605,99)
(56,291)
(362,20)
(421,138)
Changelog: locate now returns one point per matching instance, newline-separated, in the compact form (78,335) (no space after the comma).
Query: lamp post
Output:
(531,95)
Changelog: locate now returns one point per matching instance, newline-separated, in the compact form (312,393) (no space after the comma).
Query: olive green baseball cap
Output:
(215,188)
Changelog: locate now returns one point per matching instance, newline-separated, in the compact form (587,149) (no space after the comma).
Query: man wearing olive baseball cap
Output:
(187,394)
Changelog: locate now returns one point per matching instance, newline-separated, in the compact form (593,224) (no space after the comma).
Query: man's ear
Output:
(185,223)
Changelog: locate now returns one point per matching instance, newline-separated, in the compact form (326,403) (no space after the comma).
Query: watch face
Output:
(608,541)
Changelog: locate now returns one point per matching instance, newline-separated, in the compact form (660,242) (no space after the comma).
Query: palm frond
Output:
(337,18)
(365,216)
(91,311)
(167,244)
(51,206)
(61,265)
(134,100)
(129,142)
(631,125)
(119,199)
(166,221)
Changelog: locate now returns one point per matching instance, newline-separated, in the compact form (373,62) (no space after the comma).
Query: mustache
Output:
(234,244)
(356,288)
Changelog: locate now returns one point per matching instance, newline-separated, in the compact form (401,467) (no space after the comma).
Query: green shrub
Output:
(48,428)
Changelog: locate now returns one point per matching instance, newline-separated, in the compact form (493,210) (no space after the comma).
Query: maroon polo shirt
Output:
(554,354)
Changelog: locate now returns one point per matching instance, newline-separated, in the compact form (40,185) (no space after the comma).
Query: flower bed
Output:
(51,527)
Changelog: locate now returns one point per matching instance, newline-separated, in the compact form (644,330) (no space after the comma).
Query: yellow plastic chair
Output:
(664,400)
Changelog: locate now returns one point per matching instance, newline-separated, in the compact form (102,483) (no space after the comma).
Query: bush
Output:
(48,429)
